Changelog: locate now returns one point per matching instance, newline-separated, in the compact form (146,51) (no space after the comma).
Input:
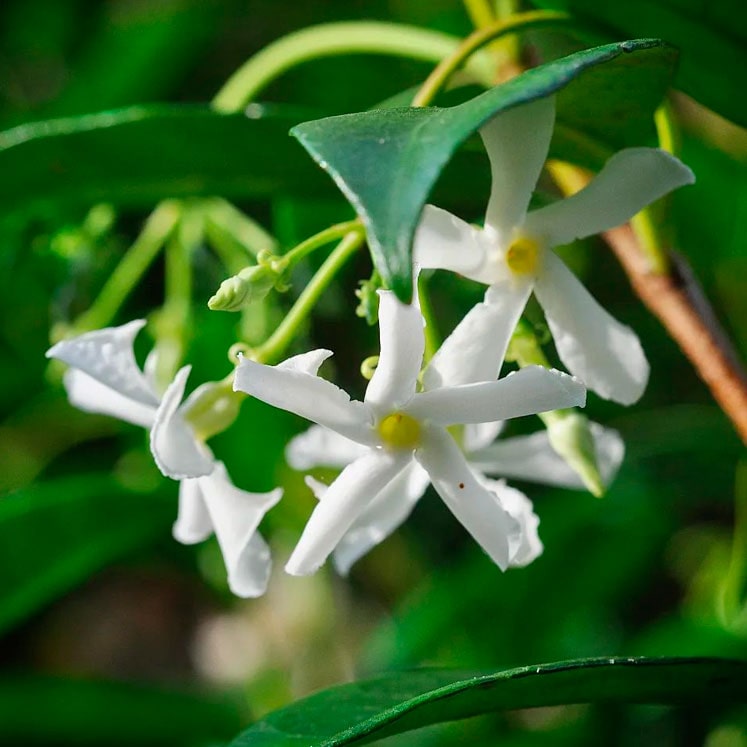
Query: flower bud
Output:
(571,437)
(212,408)
(250,285)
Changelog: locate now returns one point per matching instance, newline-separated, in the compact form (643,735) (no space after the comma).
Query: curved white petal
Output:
(529,391)
(236,514)
(606,355)
(177,452)
(402,344)
(107,355)
(343,502)
(630,180)
(475,507)
(517,142)
(479,435)
(321,447)
(307,396)
(384,514)
(444,242)
(307,363)
(475,350)
(90,395)
(193,522)
(533,458)
(527,546)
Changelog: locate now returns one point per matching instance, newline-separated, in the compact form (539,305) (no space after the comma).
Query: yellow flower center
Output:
(522,256)
(399,431)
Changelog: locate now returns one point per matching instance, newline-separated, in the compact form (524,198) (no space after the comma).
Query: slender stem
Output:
(320,239)
(274,347)
(730,606)
(435,82)
(131,268)
(480,12)
(325,40)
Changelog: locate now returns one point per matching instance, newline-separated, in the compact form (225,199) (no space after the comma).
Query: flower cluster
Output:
(420,423)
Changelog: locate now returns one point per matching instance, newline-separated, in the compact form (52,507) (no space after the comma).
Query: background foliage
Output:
(111,632)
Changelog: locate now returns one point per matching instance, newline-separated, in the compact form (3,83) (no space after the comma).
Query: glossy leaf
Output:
(46,710)
(366,711)
(387,161)
(55,535)
(711,37)
(142,154)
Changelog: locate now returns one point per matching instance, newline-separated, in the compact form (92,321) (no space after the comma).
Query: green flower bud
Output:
(212,408)
(570,435)
(250,285)
(368,308)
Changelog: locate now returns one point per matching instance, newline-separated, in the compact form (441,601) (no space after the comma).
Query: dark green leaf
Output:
(387,161)
(711,37)
(143,154)
(35,710)
(366,711)
(55,535)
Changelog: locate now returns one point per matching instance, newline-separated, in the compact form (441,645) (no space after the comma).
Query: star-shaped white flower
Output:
(397,424)
(513,252)
(104,378)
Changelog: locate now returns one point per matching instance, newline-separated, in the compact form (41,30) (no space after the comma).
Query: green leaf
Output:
(395,703)
(55,535)
(711,37)
(387,161)
(45,710)
(142,154)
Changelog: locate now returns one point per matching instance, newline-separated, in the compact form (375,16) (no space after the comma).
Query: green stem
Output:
(131,268)
(329,39)
(732,588)
(449,65)
(338,231)
(274,347)
(480,12)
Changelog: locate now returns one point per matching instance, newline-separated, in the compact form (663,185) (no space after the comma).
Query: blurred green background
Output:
(112,633)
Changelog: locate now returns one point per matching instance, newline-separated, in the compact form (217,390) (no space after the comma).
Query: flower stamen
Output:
(398,430)
(522,256)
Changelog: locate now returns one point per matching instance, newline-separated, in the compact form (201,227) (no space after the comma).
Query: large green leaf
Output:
(49,711)
(142,154)
(55,535)
(711,36)
(387,161)
(366,711)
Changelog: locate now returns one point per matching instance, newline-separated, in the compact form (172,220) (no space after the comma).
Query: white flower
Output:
(104,378)
(398,426)
(513,253)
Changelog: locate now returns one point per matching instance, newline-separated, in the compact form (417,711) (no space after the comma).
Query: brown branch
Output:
(679,303)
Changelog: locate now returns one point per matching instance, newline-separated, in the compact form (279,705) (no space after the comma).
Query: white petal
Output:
(529,391)
(236,514)
(321,447)
(475,507)
(344,501)
(307,363)
(90,395)
(384,514)
(444,242)
(107,355)
(630,180)
(401,355)
(517,142)
(177,452)
(475,350)
(479,435)
(193,522)
(305,395)
(528,546)
(533,458)
(603,353)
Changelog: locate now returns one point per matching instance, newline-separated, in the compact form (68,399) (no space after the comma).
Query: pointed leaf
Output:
(395,703)
(387,161)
